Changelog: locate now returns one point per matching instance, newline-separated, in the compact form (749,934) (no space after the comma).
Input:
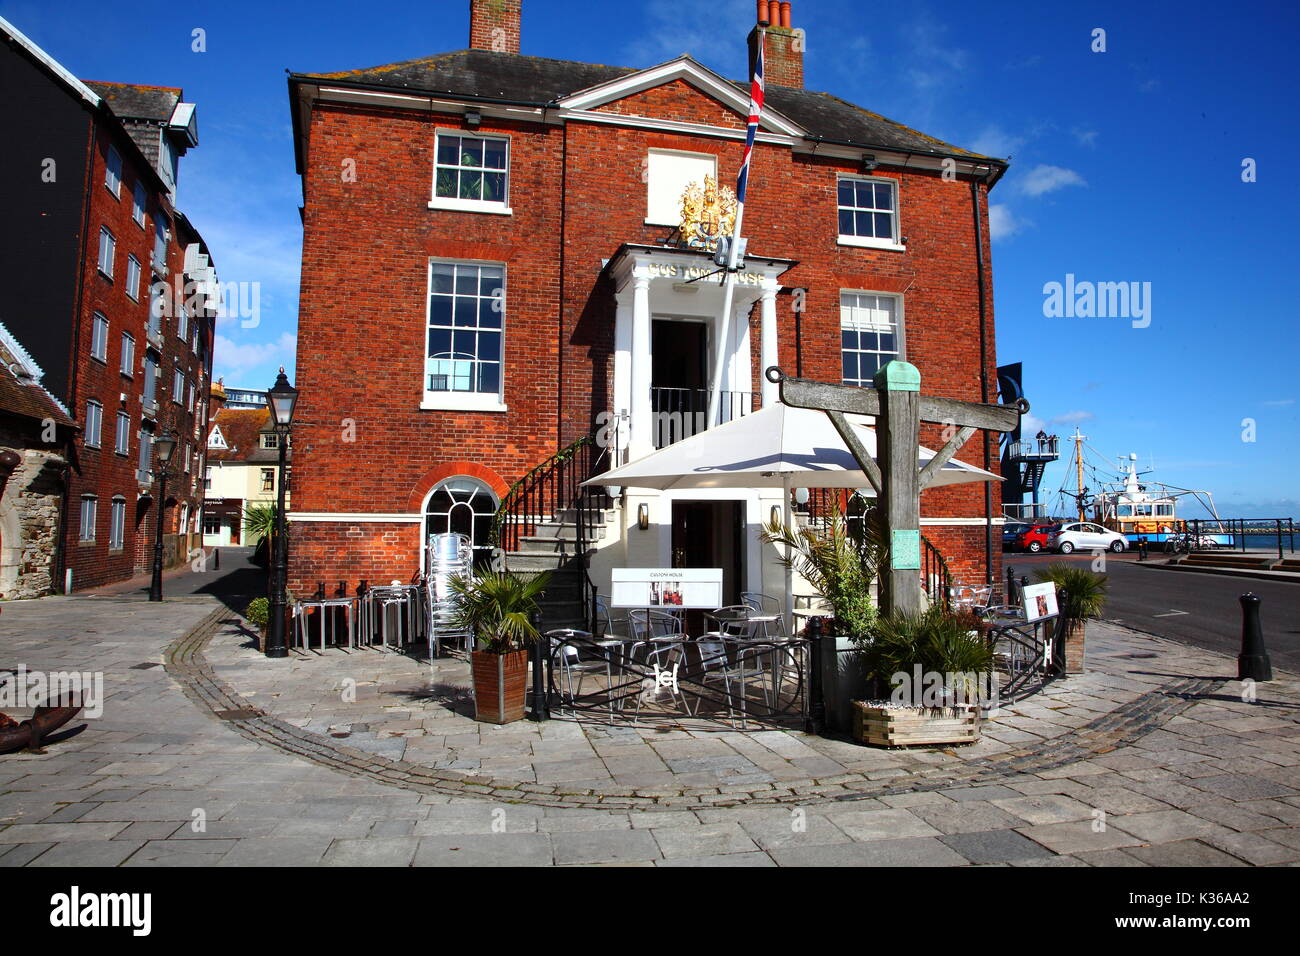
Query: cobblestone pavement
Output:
(209,754)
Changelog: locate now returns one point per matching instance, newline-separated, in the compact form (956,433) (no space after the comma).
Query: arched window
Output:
(464,505)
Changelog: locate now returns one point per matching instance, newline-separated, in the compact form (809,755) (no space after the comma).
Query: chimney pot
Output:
(774,12)
(762,11)
(785,14)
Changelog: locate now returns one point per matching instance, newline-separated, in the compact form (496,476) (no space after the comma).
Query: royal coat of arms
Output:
(708,211)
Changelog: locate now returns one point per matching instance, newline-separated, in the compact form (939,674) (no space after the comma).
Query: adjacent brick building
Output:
(492,269)
(113,292)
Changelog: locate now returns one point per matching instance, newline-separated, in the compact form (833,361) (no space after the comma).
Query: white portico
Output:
(672,298)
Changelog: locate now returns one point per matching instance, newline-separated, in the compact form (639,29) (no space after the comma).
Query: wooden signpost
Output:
(899,407)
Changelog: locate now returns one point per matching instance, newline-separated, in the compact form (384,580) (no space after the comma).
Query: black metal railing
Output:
(553,491)
(734,680)
(682,412)
(936,578)
(1240,534)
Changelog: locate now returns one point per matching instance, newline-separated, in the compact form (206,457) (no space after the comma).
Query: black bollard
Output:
(1252,662)
(216,559)
(1011,586)
(1142,548)
(539,710)
(816,721)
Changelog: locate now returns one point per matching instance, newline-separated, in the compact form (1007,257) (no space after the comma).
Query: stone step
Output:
(542,561)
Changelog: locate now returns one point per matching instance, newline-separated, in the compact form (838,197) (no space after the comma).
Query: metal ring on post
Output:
(775,375)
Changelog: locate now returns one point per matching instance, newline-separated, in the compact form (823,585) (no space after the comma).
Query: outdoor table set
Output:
(743,663)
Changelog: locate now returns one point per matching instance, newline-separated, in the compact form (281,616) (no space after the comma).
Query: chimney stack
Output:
(785,45)
(494,25)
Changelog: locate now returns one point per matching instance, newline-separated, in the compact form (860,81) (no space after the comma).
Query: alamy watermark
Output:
(1103,300)
(28,689)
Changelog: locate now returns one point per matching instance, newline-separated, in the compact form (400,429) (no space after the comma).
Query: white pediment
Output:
(686,69)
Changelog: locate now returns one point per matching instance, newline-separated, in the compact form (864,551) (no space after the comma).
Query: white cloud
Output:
(1073,418)
(248,363)
(1281,401)
(995,141)
(1003,223)
(1085,137)
(1045,179)
(1031,424)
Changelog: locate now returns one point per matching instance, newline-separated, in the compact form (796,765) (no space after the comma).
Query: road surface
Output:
(1195,608)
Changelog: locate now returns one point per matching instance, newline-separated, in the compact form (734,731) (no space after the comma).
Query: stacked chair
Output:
(450,556)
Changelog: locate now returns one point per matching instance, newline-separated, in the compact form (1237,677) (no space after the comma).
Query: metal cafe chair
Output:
(767,612)
(566,656)
(964,597)
(656,642)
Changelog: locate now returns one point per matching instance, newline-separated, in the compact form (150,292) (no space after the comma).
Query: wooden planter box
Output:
(500,682)
(911,726)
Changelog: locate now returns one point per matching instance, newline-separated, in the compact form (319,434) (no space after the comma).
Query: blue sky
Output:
(1126,167)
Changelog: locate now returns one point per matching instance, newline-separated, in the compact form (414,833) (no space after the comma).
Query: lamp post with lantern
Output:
(164,447)
(281,397)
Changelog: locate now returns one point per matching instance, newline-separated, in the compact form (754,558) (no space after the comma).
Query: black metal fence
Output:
(737,680)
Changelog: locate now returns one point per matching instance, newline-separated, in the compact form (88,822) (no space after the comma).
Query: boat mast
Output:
(1078,465)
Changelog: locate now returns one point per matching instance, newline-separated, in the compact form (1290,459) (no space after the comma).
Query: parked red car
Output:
(1035,538)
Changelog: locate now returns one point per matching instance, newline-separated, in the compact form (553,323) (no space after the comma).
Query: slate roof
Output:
(537,81)
(241,428)
(131,101)
(24,396)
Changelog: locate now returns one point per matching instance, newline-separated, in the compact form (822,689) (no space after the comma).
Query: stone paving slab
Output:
(127,788)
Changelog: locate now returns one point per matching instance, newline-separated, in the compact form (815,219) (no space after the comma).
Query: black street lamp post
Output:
(281,397)
(164,446)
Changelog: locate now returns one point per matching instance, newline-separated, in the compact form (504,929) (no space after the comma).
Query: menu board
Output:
(666,587)
(1039,601)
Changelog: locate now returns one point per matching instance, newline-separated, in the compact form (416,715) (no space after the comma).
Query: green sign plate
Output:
(905,550)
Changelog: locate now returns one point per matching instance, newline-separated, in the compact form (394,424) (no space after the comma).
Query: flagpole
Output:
(733,253)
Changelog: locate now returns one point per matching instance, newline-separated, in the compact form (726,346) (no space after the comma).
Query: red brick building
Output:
(492,270)
(113,293)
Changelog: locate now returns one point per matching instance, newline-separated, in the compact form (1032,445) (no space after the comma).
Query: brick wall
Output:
(577,193)
(494,25)
(102,471)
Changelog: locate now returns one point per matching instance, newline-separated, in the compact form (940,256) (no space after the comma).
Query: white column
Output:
(622,375)
(767,343)
(641,441)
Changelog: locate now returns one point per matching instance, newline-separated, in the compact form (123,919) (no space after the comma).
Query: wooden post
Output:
(899,431)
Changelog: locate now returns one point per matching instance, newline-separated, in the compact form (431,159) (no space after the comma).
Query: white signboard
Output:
(1039,601)
(666,587)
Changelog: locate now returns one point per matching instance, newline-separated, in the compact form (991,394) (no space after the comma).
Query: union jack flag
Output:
(755,108)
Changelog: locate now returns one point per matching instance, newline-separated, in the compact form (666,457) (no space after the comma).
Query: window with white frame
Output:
(128,355)
(107,251)
(157,306)
(138,201)
(270,440)
(122,438)
(145,463)
(462,505)
(117,523)
(466,319)
(150,394)
(99,337)
(133,277)
(113,171)
(188,461)
(870,334)
(160,243)
(471,171)
(89,504)
(668,173)
(868,211)
(178,386)
(268,479)
(182,320)
(94,421)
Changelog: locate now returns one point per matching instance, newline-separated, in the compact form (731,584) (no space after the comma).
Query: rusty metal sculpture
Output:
(28,734)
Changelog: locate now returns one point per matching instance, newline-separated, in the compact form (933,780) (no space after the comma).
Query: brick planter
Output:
(1073,641)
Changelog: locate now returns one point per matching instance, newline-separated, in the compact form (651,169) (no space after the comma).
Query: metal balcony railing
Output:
(1034,448)
(682,412)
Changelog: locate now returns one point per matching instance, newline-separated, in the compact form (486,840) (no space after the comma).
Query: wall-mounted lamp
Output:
(869,162)
(473,117)
(643,516)
(801,496)
(613,490)
(775,516)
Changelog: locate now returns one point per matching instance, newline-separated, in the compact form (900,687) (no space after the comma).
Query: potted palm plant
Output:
(1080,594)
(497,608)
(841,560)
(938,671)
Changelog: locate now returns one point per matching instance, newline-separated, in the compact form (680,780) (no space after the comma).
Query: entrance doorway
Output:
(711,534)
(678,379)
